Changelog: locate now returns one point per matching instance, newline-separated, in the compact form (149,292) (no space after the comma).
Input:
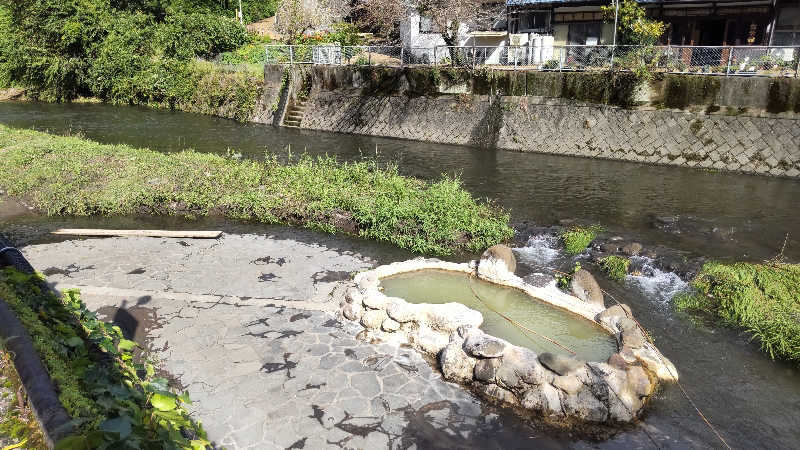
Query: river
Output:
(753,401)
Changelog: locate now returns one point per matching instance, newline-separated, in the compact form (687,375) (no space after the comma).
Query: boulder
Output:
(585,287)
(585,406)
(543,398)
(390,325)
(375,299)
(497,263)
(633,338)
(400,311)
(456,364)
(485,369)
(353,311)
(521,364)
(449,316)
(373,318)
(353,295)
(368,280)
(430,341)
(638,381)
(502,253)
(483,345)
(568,383)
(560,364)
(611,315)
(626,324)
(498,394)
(632,249)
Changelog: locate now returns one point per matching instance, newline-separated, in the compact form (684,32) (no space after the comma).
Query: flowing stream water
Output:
(753,401)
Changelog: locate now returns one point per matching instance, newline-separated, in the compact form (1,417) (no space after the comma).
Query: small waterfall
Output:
(655,283)
(540,250)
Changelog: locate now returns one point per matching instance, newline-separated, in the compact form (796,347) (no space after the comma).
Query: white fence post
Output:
(730,58)
(291,54)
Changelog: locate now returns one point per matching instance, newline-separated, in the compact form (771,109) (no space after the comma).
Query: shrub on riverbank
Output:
(577,238)
(71,176)
(616,267)
(116,402)
(762,298)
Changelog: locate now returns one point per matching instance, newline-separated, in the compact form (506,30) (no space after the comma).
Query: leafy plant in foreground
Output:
(114,400)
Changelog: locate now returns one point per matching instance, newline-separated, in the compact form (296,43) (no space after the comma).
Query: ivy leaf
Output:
(199,444)
(74,341)
(163,402)
(126,345)
(120,425)
(185,397)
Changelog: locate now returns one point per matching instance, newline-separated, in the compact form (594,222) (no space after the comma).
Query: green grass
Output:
(19,422)
(577,238)
(73,176)
(616,267)
(762,298)
(115,401)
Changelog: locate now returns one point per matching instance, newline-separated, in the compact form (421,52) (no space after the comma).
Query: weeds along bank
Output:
(763,298)
(133,53)
(72,176)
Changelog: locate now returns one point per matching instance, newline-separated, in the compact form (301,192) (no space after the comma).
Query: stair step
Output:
(295,116)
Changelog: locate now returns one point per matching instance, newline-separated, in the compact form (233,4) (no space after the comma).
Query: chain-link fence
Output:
(742,60)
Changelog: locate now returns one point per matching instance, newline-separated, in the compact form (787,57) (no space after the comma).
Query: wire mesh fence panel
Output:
(775,61)
(385,56)
(729,60)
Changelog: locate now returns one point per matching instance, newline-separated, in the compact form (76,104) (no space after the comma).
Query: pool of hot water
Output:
(588,340)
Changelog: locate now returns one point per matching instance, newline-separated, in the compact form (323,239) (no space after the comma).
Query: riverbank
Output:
(73,176)
(763,299)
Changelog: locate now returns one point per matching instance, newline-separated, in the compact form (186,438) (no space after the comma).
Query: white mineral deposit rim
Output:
(550,295)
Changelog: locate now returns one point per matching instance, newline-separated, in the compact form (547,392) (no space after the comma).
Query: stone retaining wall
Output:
(759,145)
(561,114)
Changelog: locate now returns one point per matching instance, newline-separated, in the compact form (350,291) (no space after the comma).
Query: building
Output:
(689,22)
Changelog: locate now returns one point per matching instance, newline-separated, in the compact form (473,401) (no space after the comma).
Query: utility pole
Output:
(614,42)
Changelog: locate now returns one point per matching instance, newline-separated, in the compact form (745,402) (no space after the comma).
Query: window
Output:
(787,29)
(584,33)
(534,21)
(427,25)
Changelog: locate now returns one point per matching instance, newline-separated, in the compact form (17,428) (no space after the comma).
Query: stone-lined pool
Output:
(588,340)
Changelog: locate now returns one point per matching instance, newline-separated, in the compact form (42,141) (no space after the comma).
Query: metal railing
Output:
(780,61)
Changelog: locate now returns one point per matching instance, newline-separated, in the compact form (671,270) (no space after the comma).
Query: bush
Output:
(185,36)
(577,238)
(130,54)
(71,176)
(115,401)
(762,298)
(616,267)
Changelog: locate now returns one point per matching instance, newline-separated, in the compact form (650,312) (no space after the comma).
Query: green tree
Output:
(633,25)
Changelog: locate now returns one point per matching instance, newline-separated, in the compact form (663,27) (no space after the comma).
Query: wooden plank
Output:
(147,233)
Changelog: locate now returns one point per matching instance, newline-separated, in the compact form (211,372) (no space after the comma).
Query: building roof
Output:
(564,2)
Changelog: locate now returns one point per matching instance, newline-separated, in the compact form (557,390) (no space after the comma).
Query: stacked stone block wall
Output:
(412,105)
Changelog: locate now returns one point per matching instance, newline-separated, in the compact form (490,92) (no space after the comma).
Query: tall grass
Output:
(762,298)
(73,176)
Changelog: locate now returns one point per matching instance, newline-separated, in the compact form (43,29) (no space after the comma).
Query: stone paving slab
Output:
(266,364)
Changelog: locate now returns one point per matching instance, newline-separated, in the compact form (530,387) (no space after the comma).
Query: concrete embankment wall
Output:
(747,125)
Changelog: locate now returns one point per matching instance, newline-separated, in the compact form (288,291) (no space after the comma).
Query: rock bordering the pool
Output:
(558,387)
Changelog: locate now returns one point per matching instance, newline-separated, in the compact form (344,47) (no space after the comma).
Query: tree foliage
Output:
(448,16)
(122,51)
(633,25)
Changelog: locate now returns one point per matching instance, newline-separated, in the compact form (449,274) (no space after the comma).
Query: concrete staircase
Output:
(295,114)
